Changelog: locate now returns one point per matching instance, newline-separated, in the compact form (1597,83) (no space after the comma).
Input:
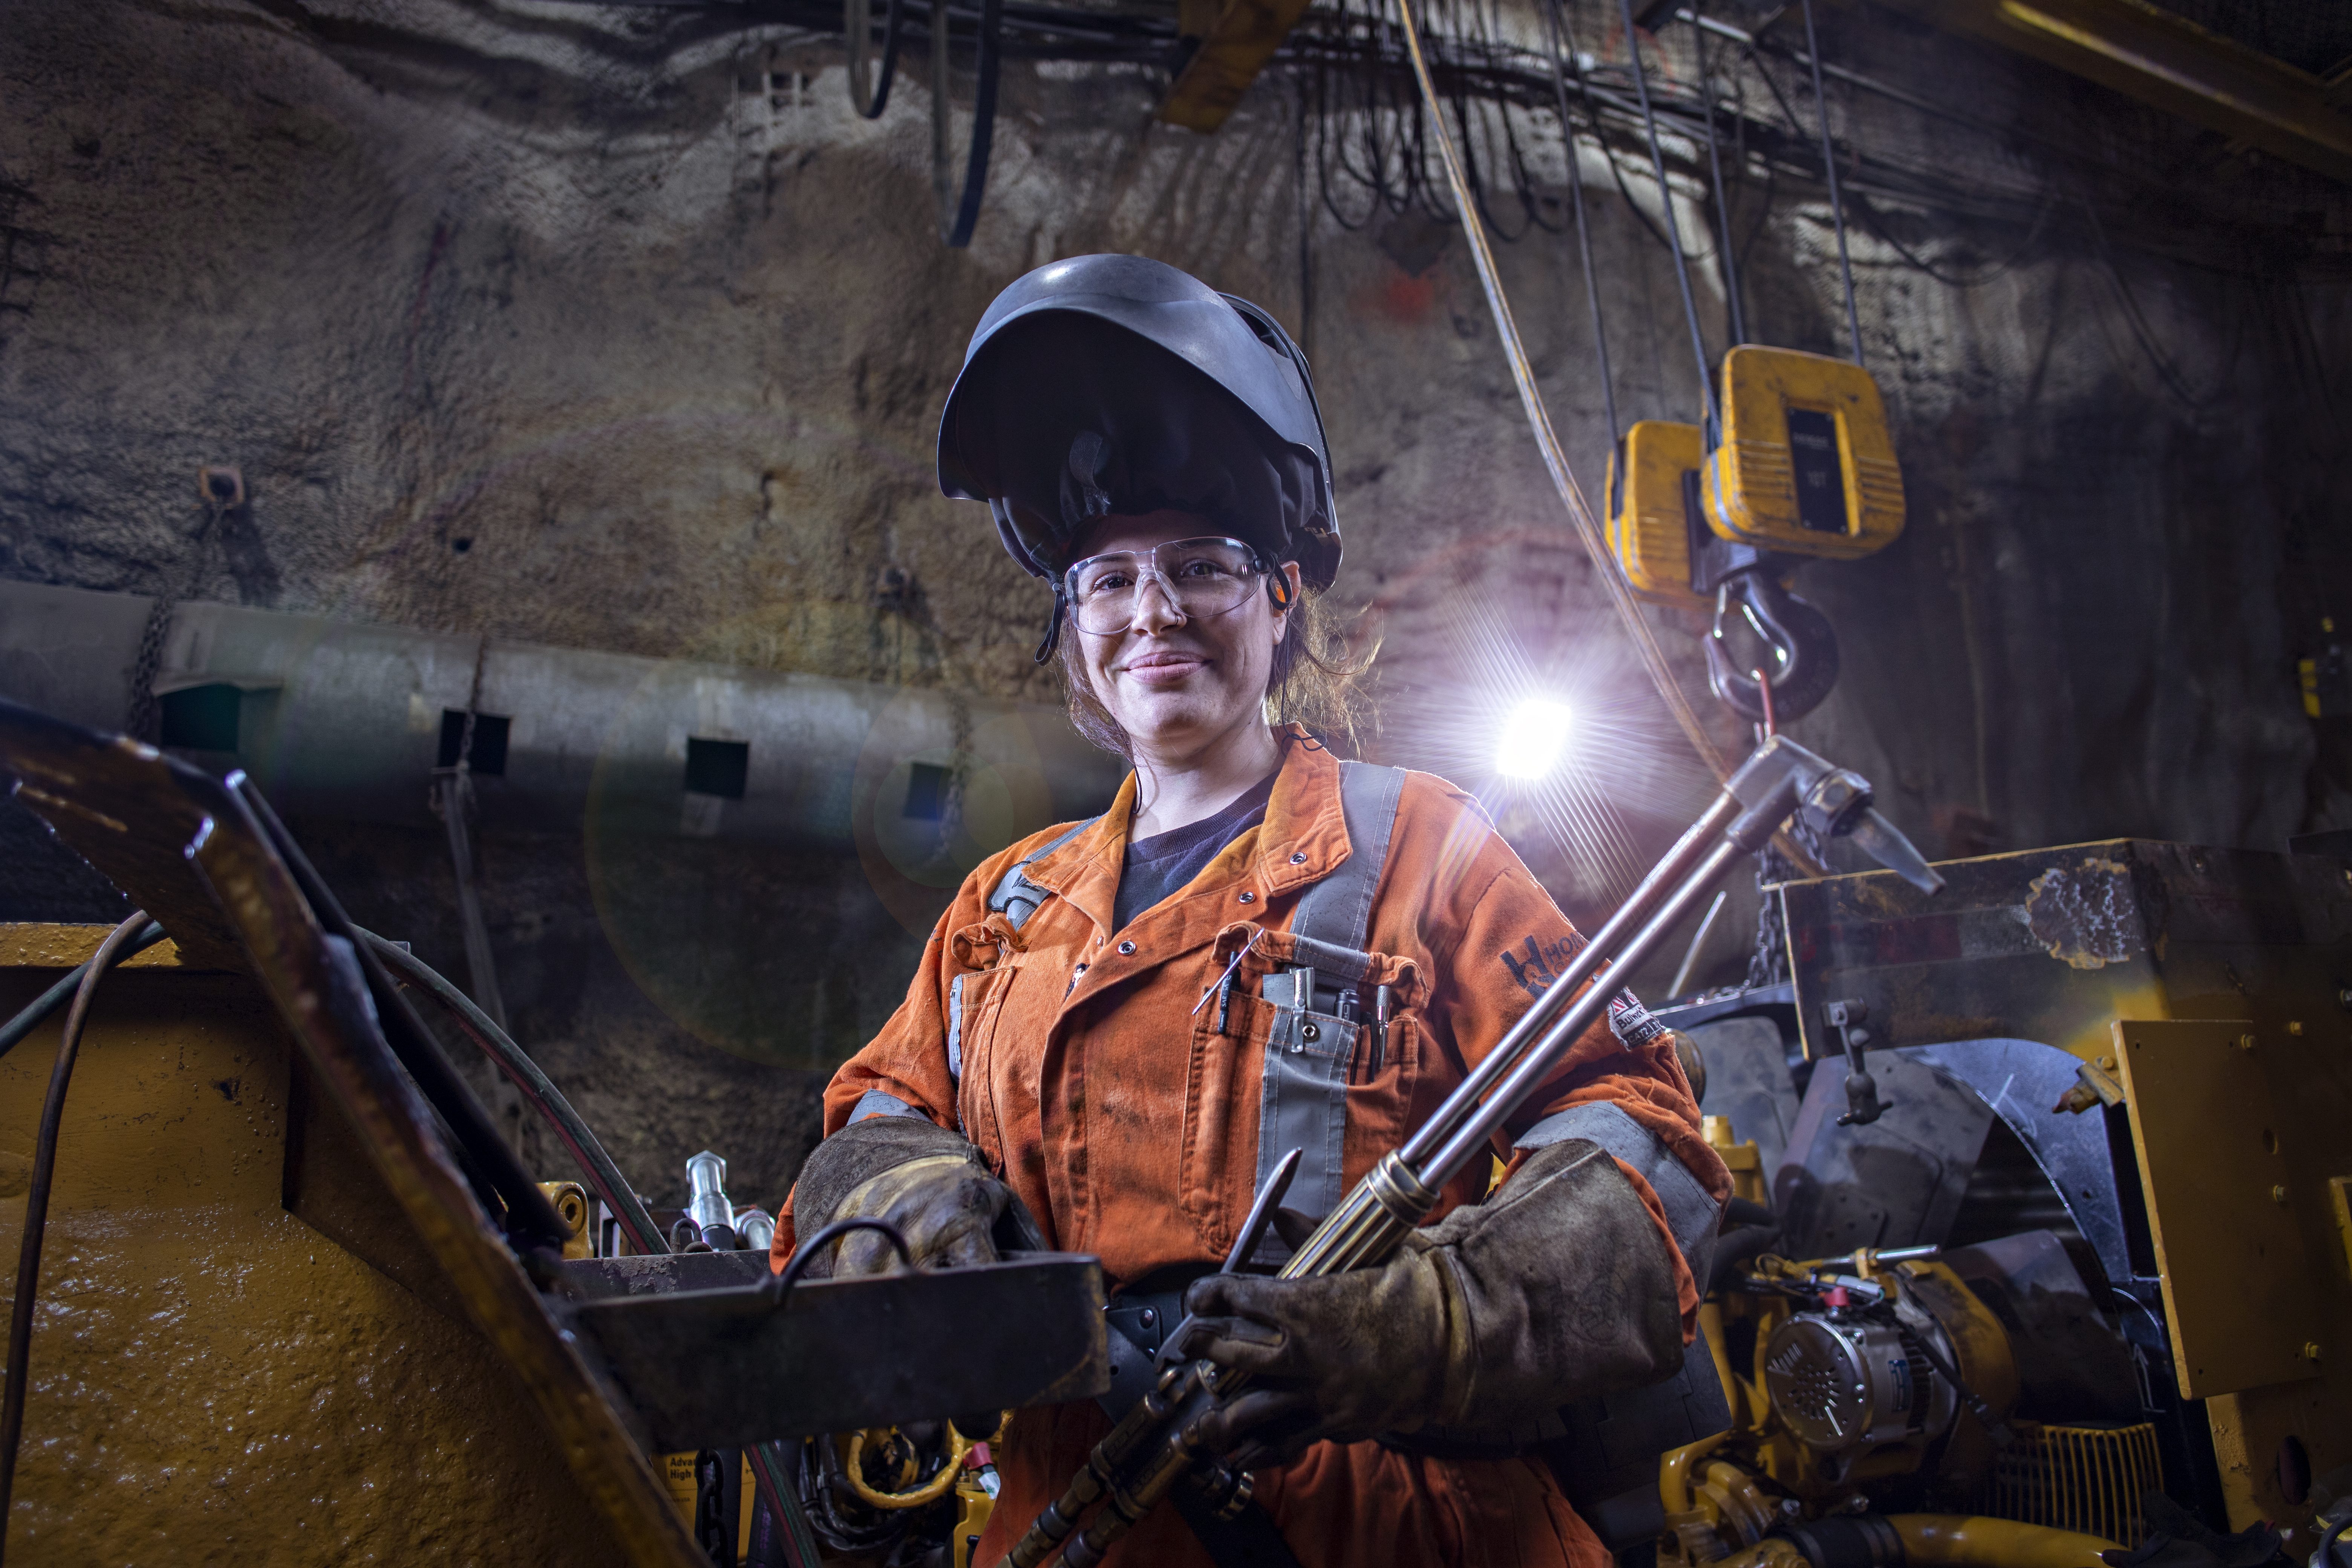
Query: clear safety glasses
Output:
(1201,577)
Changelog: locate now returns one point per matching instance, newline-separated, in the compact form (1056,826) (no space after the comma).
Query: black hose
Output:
(636,1223)
(48,1001)
(956,227)
(857,26)
(37,1208)
(781,1284)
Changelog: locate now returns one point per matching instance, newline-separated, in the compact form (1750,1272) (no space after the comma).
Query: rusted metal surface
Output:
(2086,914)
(2053,944)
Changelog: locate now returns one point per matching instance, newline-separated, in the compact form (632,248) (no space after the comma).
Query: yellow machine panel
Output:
(2238,1283)
(1648,528)
(1806,465)
(212,1379)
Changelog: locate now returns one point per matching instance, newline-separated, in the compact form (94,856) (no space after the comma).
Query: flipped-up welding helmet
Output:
(1117,385)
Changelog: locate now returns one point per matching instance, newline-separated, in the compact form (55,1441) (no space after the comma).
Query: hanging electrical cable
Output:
(1588,529)
(870,99)
(1666,204)
(1726,262)
(117,946)
(1561,42)
(957,216)
(1829,170)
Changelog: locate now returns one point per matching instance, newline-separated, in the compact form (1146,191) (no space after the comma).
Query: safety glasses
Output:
(1201,577)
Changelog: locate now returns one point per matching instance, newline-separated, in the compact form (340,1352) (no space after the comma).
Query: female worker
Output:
(1120,1026)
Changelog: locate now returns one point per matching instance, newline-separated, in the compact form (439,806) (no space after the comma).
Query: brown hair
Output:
(1315,681)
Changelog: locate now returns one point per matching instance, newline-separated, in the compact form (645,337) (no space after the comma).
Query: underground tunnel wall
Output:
(616,330)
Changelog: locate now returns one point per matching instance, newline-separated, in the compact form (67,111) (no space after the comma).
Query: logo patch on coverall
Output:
(1632,1024)
(1532,967)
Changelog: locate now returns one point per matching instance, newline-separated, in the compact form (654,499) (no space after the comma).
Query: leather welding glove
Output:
(1557,1288)
(929,1182)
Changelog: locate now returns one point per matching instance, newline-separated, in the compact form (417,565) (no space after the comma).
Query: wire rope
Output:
(1666,206)
(1588,529)
(1829,170)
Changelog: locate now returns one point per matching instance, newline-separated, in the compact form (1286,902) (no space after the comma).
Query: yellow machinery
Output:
(214,1379)
(298,1303)
(2156,1034)
(1806,466)
(1872,1376)
(1649,520)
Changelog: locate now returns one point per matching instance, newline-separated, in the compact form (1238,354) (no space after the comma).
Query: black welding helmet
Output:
(1108,386)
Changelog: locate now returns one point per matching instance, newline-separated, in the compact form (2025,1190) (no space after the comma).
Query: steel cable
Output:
(1557,28)
(1725,260)
(1588,529)
(1667,206)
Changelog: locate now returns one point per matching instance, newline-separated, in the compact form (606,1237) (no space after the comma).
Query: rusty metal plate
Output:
(112,801)
(2237,1278)
(595,1279)
(2053,944)
(716,1369)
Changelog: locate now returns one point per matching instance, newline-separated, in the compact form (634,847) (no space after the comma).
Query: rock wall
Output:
(614,327)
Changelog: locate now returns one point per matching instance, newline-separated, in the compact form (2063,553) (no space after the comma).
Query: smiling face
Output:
(1181,686)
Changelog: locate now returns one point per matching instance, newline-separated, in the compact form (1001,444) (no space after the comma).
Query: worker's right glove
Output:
(927,1182)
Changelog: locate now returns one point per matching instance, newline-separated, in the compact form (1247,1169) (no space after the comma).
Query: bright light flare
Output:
(1533,738)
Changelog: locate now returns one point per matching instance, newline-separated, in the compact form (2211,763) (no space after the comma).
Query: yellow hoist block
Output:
(1806,465)
(1649,527)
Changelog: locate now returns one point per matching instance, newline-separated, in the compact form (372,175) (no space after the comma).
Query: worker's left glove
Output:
(1559,1287)
(929,1183)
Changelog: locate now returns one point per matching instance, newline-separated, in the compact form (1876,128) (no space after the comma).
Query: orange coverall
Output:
(1099,1089)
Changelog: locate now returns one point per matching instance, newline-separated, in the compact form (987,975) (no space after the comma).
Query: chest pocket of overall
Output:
(1318,1075)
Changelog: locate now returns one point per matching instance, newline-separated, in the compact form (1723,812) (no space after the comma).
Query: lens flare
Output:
(1533,738)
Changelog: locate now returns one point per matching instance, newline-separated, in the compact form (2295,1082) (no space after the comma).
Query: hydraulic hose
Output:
(628,1209)
(645,1236)
(50,1000)
(37,1204)
(1970,1543)
(605,1176)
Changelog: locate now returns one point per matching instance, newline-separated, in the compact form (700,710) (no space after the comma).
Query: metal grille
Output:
(2086,1478)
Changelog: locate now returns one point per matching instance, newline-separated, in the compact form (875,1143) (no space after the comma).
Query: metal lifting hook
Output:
(1800,637)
